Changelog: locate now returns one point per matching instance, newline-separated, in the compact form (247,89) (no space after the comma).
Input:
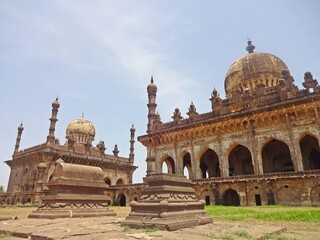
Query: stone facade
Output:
(32,168)
(260,145)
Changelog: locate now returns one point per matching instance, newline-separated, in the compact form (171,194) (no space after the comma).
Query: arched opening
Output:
(315,196)
(310,152)
(119,182)
(168,166)
(276,157)
(230,198)
(29,200)
(187,169)
(209,164)
(23,201)
(240,161)
(108,181)
(121,200)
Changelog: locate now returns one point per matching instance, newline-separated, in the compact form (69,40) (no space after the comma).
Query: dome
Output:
(152,88)
(20,128)
(56,103)
(42,165)
(80,131)
(252,69)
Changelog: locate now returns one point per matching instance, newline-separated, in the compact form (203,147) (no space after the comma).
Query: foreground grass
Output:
(220,213)
(265,213)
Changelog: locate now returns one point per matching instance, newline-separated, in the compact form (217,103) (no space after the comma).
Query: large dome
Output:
(80,131)
(252,69)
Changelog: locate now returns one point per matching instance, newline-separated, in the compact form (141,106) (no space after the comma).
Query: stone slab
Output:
(101,228)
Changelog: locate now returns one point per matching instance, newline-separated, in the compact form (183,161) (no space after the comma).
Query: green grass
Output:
(3,235)
(265,213)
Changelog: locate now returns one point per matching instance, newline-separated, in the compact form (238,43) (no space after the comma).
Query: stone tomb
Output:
(75,191)
(167,203)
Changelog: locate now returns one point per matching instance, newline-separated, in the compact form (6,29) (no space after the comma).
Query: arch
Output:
(209,164)
(121,200)
(310,151)
(8,201)
(134,196)
(315,196)
(276,157)
(287,195)
(107,181)
(240,161)
(120,182)
(230,198)
(29,200)
(169,163)
(187,165)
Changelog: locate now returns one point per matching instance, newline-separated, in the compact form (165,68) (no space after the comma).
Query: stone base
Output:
(167,203)
(183,215)
(72,211)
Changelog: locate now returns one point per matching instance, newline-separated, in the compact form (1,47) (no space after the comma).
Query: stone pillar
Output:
(194,163)
(20,129)
(151,162)
(53,120)
(224,166)
(131,155)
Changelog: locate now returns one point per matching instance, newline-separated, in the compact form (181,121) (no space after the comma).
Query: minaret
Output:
(152,95)
(53,120)
(131,155)
(20,129)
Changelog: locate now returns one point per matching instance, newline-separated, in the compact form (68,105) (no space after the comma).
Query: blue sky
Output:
(98,56)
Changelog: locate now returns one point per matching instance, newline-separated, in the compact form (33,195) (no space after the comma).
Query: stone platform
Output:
(168,203)
(75,191)
(101,228)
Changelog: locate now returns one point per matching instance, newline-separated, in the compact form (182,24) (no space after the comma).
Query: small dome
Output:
(80,131)
(56,103)
(60,160)
(252,69)
(42,165)
(20,128)
(152,88)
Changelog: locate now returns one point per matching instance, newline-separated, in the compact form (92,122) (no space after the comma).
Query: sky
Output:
(98,57)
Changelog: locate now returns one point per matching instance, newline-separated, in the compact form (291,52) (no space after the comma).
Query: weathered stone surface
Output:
(104,228)
(168,203)
(75,191)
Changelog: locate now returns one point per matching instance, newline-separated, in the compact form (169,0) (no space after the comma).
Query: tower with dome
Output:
(258,146)
(32,168)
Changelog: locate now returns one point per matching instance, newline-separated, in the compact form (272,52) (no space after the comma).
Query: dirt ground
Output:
(110,228)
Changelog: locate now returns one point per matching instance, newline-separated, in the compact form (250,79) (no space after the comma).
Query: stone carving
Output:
(169,203)
(177,116)
(75,191)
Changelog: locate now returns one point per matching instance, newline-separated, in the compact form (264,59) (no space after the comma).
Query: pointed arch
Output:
(168,164)
(276,157)
(230,198)
(187,165)
(315,196)
(107,181)
(240,161)
(121,200)
(209,164)
(310,151)
(120,181)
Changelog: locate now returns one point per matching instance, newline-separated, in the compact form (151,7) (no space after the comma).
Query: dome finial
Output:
(151,78)
(250,47)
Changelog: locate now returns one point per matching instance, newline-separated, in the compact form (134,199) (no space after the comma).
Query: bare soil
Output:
(102,228)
